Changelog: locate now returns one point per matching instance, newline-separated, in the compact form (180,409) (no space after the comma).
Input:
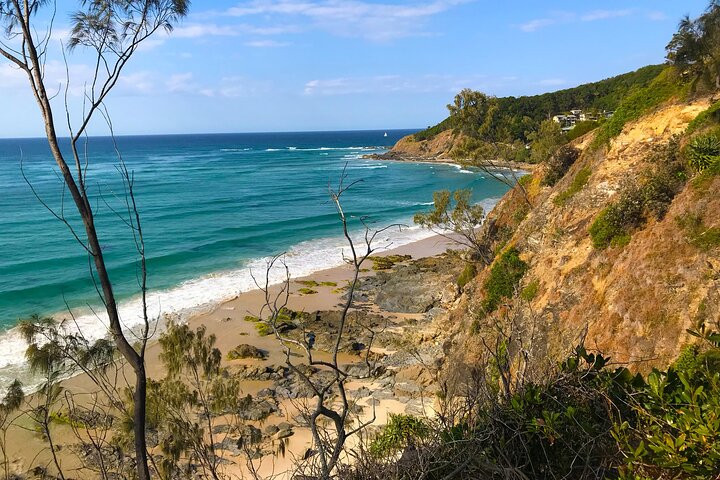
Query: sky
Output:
(307,65)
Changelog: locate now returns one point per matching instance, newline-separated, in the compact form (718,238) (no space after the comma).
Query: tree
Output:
(485,146)
(695,47)
(332,404)
(112,30)
(460,224)
(10,404)
(545,141)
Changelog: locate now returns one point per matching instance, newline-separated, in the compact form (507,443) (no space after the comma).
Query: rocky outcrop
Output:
(634,302)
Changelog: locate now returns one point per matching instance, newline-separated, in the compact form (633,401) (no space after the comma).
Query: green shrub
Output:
(328,284)
(525,180)
(559,164)
(245,351)
(263,329)
(677,431)
(703,152)
(585,420)
(388,261)
(308,283)
(580,129)
(580,180)
(251,318)
(400,432)
(307,291)
(468,273)
(504,278)
(614,224)
(651,196)
(530,291)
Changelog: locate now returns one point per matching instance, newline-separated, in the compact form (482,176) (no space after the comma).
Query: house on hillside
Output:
(568,120)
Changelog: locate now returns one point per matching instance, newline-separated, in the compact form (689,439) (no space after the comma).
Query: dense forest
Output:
(517,116)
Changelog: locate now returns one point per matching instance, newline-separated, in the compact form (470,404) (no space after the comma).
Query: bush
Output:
(585,420)
(580,129)
(263,329)
(703,152)
(559,164)
(468,273)
(401,431)
(245,351)
(530,291)
(649,197)
(580,180)
(504,278)
(613,225)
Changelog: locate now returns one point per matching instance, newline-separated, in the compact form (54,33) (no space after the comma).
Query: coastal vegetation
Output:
(112,32)
(515,117)
(508,400)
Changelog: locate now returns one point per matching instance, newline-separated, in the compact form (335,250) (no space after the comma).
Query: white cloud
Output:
(266,44)
(604,15)
(557,18)
(352,18)
(11,76)
(399,84)
(180,83)
(204,30)
(139,82)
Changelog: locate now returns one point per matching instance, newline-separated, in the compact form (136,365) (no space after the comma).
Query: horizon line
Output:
(220,133)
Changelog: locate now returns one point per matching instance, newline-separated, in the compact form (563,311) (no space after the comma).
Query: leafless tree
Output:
(330,396)
(112,31)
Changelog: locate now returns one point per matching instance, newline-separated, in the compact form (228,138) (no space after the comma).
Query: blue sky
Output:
(296,65)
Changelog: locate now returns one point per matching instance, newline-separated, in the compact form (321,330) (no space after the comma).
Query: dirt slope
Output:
(634,302)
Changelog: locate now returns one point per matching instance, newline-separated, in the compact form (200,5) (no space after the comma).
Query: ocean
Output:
(213,207)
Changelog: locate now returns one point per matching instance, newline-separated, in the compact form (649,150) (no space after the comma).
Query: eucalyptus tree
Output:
(484,145)
(695,47)
(112,31)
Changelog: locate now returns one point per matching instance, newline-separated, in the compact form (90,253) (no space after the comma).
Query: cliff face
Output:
(633,302)
(436,149)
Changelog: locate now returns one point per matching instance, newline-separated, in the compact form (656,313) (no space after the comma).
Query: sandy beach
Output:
(227,322)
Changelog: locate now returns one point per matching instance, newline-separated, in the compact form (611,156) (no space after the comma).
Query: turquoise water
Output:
(212,206)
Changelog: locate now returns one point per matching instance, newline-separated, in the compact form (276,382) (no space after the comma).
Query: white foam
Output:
(197,295)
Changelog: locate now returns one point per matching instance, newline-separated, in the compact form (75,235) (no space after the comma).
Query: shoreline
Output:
(194,302)
(227,322)
(391,156)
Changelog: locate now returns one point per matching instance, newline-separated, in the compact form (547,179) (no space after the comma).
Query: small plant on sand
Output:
(400,432)
(307,283)
(263,329)
(388,261)
(307,291)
